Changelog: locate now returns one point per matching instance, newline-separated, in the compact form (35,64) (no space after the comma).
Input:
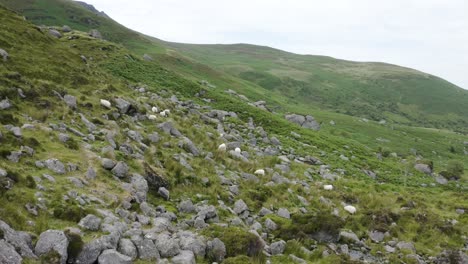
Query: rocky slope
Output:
(109,158)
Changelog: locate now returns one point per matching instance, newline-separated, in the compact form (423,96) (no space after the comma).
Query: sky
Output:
(427,35)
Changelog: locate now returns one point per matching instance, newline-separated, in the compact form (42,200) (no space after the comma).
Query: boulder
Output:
(184,257)
(376,236)
(168,128)
(55,165)
(240,206)
(188,146)
(127,248)
(283,212)
(90,222)
(70,100)
(120,170)
(167,246)
(147,249)
(16,132)
(95,34)
(186,207)
(147,57)
(270,225)
(123,105)
(164,193)
(5,104)
(216,250)
(424,168)
(278,248)
(91,251)
(4,54)
(66,29)
(55,33)
(21,241)
(50,241)
(303,121)
(8,255)
(108,164)
(111,256)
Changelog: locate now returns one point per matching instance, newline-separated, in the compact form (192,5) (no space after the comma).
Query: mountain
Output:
(109,157)
(291,82)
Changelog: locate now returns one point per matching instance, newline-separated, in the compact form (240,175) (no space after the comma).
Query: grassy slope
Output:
(114,67)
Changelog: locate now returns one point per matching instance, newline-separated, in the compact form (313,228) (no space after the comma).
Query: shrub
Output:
(322,227)
(455,168)
(237,241)
(30,182)
(72,144)
(71,213)
(75,245)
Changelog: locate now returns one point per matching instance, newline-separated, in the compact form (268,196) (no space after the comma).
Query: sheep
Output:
(237,150)
(163,113)
(152,117)
(105,103)
(328,187)
(154,109)
(350,209)
(167,111)
(260,172)
(222,147)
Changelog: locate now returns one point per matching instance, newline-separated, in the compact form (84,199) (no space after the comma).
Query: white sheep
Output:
(328,187)
(222,147)
(154,109)
(350,209)
(163,113)
(152,117)
(260,172)
(106,103)
(167,111)
(237,150)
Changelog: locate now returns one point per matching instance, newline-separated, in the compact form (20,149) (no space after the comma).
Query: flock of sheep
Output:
(222,148)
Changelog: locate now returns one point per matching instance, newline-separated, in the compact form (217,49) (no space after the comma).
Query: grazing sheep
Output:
(237,150)
(152,117)
(105,103)
(167,111)
(328,187)
(154,109)
(163,113)
(222,147)
(350,209)
(260,172)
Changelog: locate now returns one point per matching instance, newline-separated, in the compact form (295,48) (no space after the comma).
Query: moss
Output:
(237,241)
(242,259)
(30,182)
(309,225)
(72,144)
(53,257)
(71,213)
(75,245)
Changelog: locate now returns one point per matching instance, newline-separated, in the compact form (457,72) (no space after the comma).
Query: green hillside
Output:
(371,90)
(87,182)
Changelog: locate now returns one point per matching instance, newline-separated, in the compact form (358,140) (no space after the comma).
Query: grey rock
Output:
(376,236)
(140,185)
(108,164)
(238,156)
(147,249)
(5,104)
(21,241)
(441,179)
(15,156)
(91,251)
(240,206)
(389,249)
(406,246)
(95,34)
(16,131)
(168,128)
(127,248)
(4,54)
(147,57)
(55,165)
(154,137)
(216,250)
(77,182)
(91,127)
(347,236)
(188,146)
(296,259)
(120,170)
(53,240)
(283,212)
(264,211)
(111,256)
(63,137)
(188,241)
(304,121)
(186,207)
(90,174)
(70,100)
(278,248)
(424,168)
(90,222)
(167,246)
(123,105)
(66,29)
(8,255)
(270,225)
(164,193)
(55,33)
(184,257)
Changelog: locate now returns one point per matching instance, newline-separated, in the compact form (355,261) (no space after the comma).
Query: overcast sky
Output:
(428,35)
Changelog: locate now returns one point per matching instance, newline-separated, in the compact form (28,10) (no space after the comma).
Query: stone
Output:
(90,222)
(16,131)
(55,33)
(188,241)
(55,165)
(147,57)
(70,100)
(111,256)
(184,257)
(127,248)
(89,125)
(402,245)
(270,225)
(304,121)
(348,236)
(296,259)
(216,250)
(164,193)
(66,29)
(91,251)
(168,247)
(90,174)
(188,146)
(95,34)
(147,249)
(168,128)
(278,248)
(424,168)
(4,54)
(283,212)
(5,104)
(53,240)
(120,170)
(240,206)
(8,255)
(376,236)
(187,207)
(264,211)
(21,241)
(108,164)
(140,185)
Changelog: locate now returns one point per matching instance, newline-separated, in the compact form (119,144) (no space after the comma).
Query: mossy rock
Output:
(237,241)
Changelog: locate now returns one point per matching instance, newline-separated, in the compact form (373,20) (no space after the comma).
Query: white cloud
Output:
(428,35)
